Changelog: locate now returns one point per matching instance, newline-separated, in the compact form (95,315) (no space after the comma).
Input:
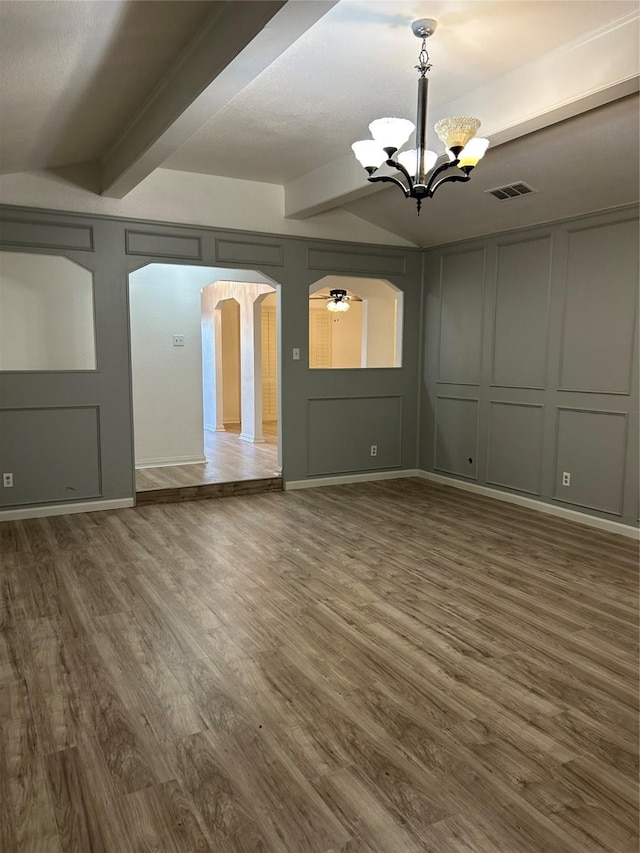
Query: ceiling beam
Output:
(549,89)
(236,44)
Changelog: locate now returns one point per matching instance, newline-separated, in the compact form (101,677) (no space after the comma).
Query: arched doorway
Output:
(179,436)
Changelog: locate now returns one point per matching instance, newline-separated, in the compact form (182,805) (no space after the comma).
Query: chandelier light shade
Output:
(369,154)
(338,302)
(473,152)
(391,132)
(421,176)
(455,132)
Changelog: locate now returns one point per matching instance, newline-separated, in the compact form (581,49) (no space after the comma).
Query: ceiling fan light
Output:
(369,153)
(456,131)
(391,132)
(473,152)
(339,300)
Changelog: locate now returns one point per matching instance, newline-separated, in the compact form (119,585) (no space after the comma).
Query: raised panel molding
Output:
(456,436)
(355,260)
(40,234)
(53,452)
(514,454)
(591,445)
(461,317)
(600,296)
(152,244)
(249,252)
(342,429)
(521,316)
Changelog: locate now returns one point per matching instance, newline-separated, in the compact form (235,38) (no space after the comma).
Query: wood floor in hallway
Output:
(394,667)
(229,460)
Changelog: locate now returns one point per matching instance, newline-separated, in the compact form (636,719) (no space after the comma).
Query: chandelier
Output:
(339,301)
(418,165)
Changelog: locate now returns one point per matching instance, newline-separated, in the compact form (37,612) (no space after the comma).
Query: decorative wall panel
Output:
(45,235)
(600,306)
(591,449)
(514,457)
(342,430)
(53,454)
(522,314)
(163,245)
(345,260)
(456,436)
(246,252)
(461,310)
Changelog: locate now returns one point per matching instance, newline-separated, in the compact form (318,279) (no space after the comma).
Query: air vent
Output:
(511,191)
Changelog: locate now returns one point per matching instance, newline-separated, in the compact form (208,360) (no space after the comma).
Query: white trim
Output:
(341,480)
(532,503)
(64,509)
(165,462)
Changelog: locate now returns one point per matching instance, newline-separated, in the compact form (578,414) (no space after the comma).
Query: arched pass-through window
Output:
(368,334)
(46,314)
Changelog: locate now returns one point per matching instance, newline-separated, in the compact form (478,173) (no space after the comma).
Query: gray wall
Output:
(68,435)
(528,368)
(530,363)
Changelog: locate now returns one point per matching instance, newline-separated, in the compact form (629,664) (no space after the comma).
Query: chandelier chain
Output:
(423,59)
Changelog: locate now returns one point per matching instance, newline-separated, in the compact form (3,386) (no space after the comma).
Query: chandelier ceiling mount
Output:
(417,166)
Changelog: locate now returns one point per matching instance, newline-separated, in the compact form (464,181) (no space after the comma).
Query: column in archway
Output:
(212,360)
(251,365)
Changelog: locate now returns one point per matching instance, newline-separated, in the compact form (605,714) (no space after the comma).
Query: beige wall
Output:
(346,336)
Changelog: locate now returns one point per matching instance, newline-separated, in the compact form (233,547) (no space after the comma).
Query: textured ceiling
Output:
(77,76)
(357,63)
(73,73)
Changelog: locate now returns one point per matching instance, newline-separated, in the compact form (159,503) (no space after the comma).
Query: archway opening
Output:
(199,353)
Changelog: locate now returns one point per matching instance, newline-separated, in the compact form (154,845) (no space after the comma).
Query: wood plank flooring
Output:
(390,667)
(229,460)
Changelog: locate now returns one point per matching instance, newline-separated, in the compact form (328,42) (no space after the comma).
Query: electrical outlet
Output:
(178,340)
(566,478)
(374,449)
(7,481)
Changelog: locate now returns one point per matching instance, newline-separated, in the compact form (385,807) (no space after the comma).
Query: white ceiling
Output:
(276,91)
(72,74)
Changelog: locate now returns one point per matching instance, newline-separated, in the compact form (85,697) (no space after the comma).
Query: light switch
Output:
(296,354)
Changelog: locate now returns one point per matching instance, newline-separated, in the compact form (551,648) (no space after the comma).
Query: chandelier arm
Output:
(374,179)
(434,175)
(450,178)
(394,164)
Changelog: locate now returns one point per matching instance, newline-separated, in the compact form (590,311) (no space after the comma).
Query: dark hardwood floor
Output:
(388,667)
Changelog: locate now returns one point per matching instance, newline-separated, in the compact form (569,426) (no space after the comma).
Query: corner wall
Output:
(530,364)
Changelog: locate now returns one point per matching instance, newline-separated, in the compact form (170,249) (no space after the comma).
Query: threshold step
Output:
(209,490)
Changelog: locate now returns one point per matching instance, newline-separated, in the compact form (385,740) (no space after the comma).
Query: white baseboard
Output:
(208,428)
(532,503)
(165,462)
(342,479)
(64,509)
